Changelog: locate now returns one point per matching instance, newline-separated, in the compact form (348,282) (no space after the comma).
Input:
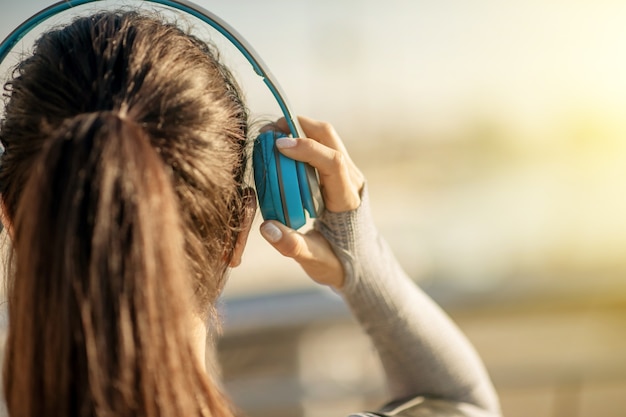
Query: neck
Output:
(198,332)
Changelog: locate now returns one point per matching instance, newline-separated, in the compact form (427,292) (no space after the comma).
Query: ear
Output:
(249,199)
(4,218)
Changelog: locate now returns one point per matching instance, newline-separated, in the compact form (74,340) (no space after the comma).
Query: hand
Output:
(341,183)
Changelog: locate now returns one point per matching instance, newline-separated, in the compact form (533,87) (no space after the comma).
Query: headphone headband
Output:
(185,6)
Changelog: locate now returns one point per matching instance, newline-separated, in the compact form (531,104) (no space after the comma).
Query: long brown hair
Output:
(125,157)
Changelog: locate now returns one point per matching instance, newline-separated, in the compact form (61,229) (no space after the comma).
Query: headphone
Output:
(285,188)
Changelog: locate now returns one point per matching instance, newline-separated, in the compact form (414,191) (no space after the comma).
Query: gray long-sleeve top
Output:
(425,356)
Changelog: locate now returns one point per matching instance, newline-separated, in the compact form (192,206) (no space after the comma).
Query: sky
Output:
(429,65)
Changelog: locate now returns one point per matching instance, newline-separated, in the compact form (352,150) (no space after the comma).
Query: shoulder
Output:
(427,407)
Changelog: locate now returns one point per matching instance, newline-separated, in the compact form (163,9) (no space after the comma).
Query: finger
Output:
(322,132)
(325,134)
(310,250)
(340,188)
(326,160)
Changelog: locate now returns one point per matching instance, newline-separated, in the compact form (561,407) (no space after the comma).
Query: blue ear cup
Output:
(306,174)
(281,183)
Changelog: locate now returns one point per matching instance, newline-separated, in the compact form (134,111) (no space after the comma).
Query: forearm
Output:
(421,349)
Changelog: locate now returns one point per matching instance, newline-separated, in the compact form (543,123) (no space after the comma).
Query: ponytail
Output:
(99,302)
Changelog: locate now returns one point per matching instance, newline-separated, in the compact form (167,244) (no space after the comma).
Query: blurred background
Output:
(493,137)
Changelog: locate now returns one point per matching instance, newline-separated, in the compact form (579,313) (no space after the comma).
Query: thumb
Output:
(311,250)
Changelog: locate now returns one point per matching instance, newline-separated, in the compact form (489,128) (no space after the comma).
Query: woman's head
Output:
(123,178)
(158,77)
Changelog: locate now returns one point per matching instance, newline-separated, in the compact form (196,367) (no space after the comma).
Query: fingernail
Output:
(271,233)
(286,143)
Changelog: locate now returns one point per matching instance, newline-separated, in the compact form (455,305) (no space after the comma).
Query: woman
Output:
(123,189)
